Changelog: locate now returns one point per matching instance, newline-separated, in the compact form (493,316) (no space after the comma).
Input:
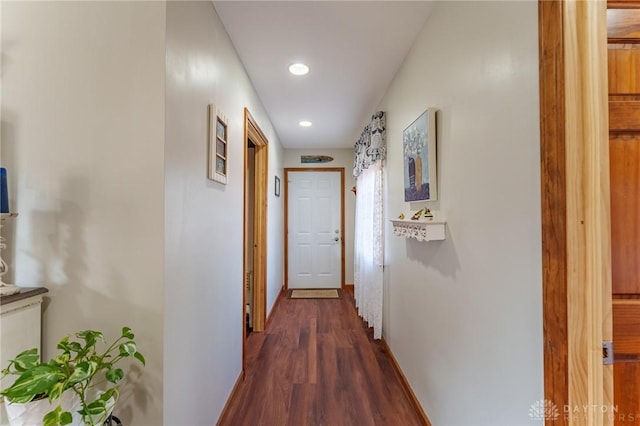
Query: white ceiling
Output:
(353,48)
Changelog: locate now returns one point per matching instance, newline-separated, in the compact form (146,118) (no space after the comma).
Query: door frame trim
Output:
(253,133)
(286,218)
(576,258)
(553,204)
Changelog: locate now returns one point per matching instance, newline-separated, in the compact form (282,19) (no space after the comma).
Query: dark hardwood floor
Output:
(317,364)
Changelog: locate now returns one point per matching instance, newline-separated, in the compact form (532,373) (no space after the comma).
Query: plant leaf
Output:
(95,407)
(39,379)
(63,341)
(75,347)
(63,345)
(61,359)
(56,391)
(22,399)
(83,371)
(109,393)
(57,417)
(90,336)
(27,359)
(52,417)
(127,348)
(114,376)
(127,333)
(66,418)
(140,358)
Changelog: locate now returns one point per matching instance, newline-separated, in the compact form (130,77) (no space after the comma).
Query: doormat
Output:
(331,293)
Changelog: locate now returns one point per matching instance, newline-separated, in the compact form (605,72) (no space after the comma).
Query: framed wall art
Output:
(218,150)
(419,152)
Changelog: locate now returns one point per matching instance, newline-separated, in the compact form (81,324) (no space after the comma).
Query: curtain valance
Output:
(372,144)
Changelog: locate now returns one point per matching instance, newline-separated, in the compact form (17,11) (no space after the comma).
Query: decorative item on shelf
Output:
(401,216)
(61,391)
(427,214)
(4,191)
(5,289)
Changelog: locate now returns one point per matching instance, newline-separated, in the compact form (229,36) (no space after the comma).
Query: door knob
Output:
(336,239)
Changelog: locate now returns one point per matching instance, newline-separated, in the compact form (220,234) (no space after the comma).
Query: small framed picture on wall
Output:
(218,138)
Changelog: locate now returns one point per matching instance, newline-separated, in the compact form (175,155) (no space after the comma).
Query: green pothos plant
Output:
(80,367)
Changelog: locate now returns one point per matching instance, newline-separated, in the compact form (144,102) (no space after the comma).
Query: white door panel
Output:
(315,247)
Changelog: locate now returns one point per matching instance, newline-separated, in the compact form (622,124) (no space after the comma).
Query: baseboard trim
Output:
(406,386)
(349,287)
(281,296)
(225,410)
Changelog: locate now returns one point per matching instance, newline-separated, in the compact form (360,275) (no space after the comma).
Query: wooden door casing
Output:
(576,257)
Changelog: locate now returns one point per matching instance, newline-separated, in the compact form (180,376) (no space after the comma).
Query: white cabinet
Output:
(20,329)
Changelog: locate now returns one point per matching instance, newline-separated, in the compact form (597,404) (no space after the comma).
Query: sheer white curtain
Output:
(369,247)
(370,153)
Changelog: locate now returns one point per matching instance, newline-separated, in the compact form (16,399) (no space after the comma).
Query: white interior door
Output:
(314,240)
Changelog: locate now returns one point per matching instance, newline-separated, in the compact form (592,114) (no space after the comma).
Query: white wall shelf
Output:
(421,230)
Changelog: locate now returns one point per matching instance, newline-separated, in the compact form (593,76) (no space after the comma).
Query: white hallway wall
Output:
(464,316)
(120,224)
(83,140)
(341,158)
(203,241)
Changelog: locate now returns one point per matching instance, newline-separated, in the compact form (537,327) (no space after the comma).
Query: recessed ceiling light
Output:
(298,69)
(305,123)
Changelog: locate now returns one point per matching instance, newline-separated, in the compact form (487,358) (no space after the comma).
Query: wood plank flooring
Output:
(317,364)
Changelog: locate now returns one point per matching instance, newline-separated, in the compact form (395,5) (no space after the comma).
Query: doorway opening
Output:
(250,195)
(254,301)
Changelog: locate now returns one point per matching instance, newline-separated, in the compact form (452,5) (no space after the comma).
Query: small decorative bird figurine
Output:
(417,215)
(401,216)
(428,215)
